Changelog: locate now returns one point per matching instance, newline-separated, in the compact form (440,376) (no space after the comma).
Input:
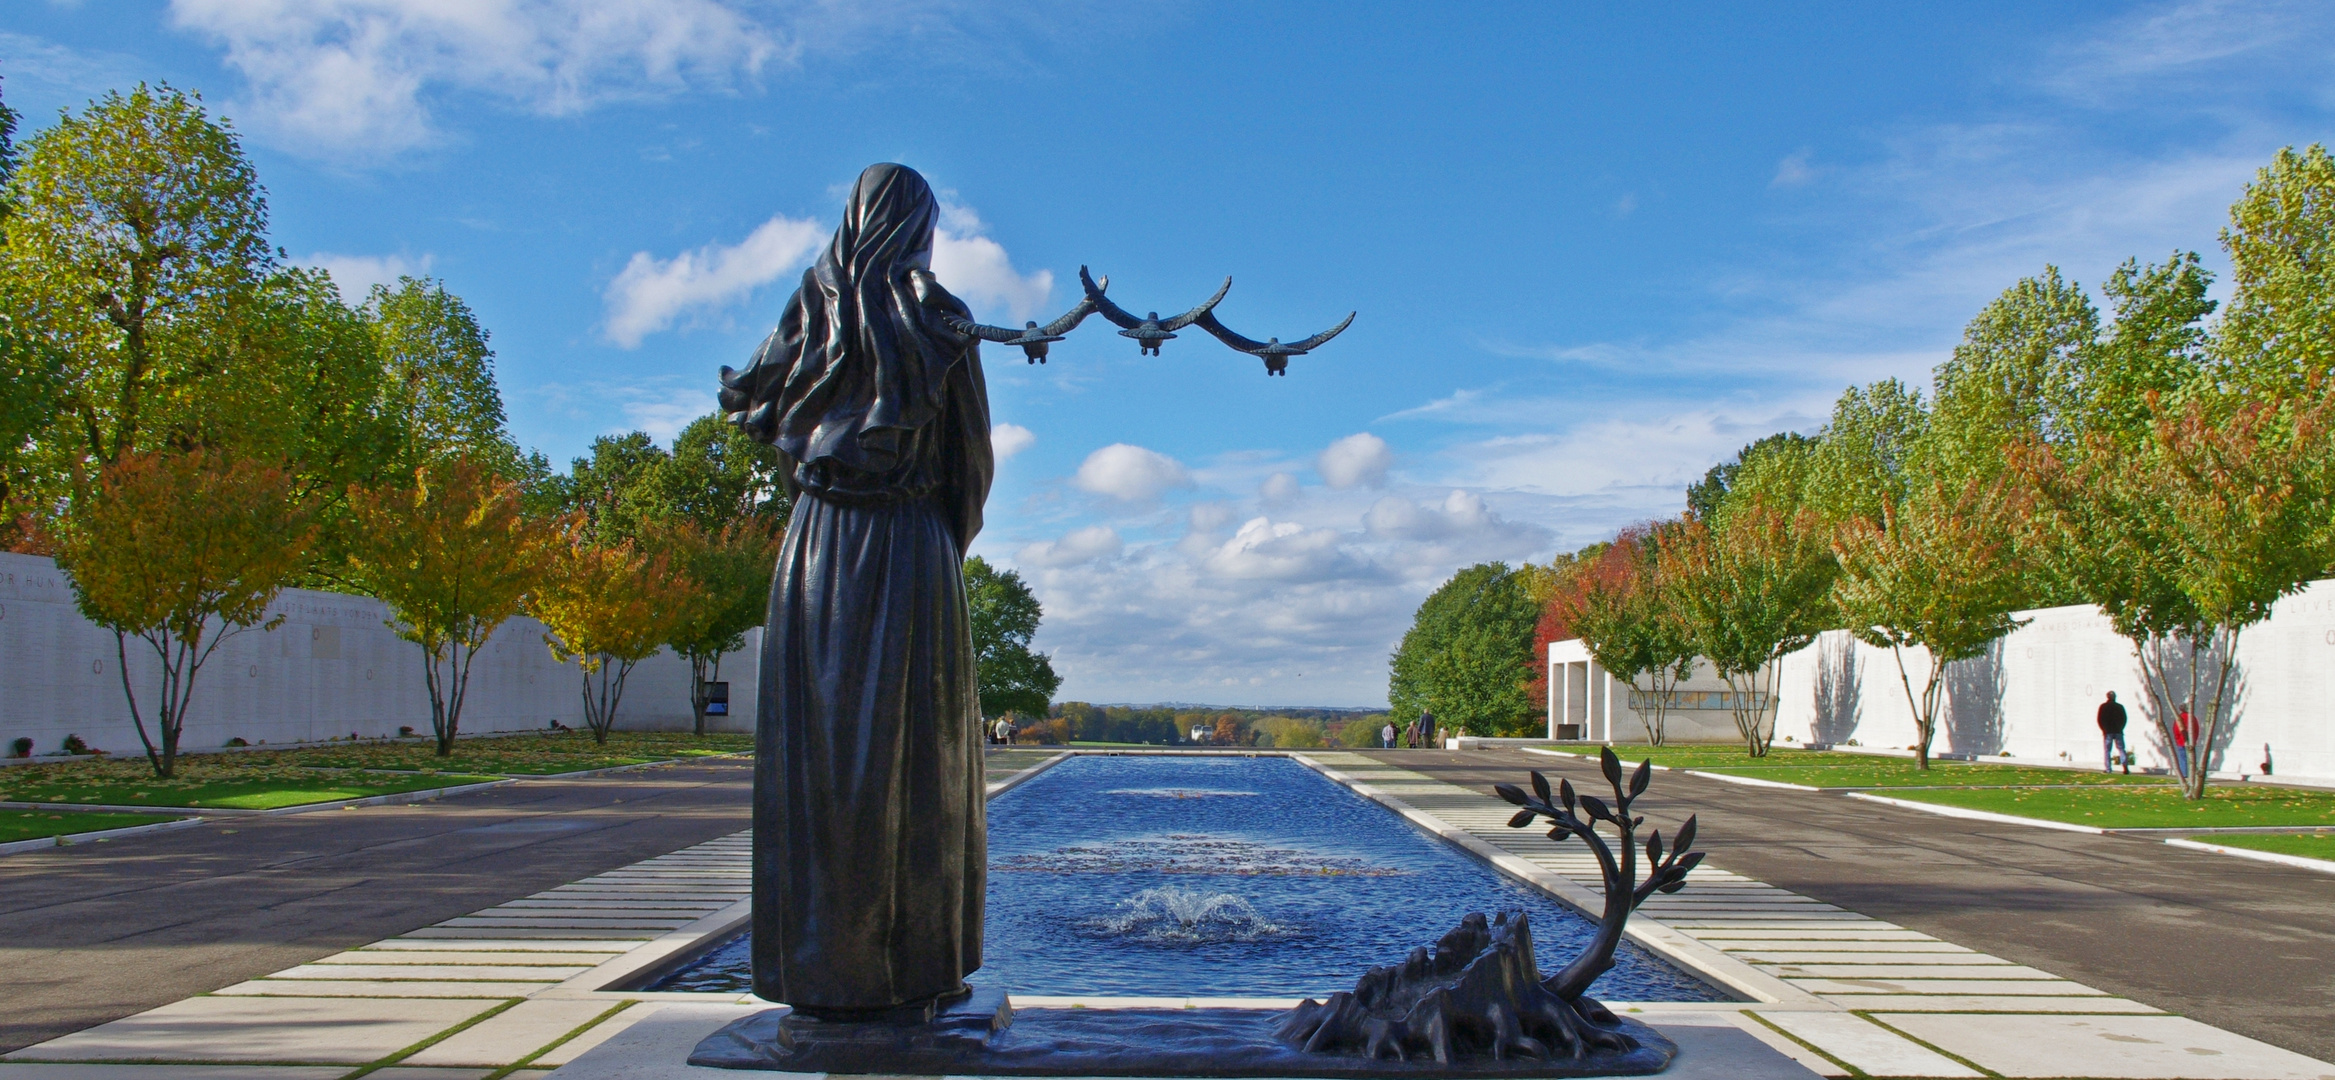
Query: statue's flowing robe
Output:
(870,838)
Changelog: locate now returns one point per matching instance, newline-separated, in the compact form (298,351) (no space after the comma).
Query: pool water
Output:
(1220,876)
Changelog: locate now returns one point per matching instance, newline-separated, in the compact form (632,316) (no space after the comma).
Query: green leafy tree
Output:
(182,551)
(138,228)
(8,119)
(1705,497)
(2015,374)
(1621,609)
(715,476)
(1938,571)
(453,554)
(439,376)
(1465,657)
(1750,589)
(1865,455)
(29,381)
(729,572)
(613,492)
(2155,345)
(1014,677)
(2278,337)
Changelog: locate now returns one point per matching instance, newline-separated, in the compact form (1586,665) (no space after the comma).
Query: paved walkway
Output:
(2242,945)
(94,932)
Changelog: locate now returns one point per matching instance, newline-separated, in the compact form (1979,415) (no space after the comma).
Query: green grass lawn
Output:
(267,779)
(2310,845)
(33,824)
(1702,757)
(1891,772)
(525,755)
(2146,807)
(230,792)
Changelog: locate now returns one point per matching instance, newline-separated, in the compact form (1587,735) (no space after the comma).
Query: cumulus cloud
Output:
(355,79)
(1285,551)
(1461,512)
(1357,460)
(1130,473)
(357,274)
(650,294)
(977,269)
(1074,549)
(1278,489)
(1006,440)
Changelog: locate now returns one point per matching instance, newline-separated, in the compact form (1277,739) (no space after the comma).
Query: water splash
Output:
(1172,916)
(1189,853)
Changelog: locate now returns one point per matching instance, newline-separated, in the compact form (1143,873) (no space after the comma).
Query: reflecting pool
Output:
(1141,876)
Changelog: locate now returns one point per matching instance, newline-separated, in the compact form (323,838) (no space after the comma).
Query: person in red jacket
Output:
(2184,737)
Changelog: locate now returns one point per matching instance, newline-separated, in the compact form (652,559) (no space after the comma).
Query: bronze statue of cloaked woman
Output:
(870,843)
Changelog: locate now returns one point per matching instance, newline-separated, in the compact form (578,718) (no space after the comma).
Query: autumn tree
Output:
(182,550)
(609,606)
(1622,610)
(1014,677)
(729,575)
(1939,571)
(1750,589)
(453,555)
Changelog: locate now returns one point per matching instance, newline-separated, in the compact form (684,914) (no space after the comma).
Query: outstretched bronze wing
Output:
(1207,321)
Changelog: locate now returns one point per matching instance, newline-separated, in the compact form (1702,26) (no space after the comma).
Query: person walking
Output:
(1386,736)
(2112,736)
(1005,730)
(2184,737)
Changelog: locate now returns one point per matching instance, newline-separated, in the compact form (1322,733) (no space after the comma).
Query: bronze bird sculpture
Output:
(1149,332)
(1032,338)
(1275,354)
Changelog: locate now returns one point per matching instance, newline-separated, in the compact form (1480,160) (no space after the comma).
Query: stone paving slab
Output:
(418,972)
(402,1072)
(256,1029)
(44,1071)
(2118,1047)
(1932,986)
(1973,1003)
(599,1033)
(512,1034)
(1898,971)
(380,988)
(406,957)
(1871,1048)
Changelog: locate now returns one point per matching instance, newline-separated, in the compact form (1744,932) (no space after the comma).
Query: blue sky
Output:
(1595,248)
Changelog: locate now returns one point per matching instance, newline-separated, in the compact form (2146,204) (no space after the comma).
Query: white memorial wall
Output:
(333,669)
(2034,697)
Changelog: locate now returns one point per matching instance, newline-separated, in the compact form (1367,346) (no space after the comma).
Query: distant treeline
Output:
(1081,722)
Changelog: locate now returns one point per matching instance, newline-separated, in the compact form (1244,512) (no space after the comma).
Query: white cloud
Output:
(1286,551)
(357,274)
(650,294)
(977,269)
(1278,489)
(1006,440)
(1794,170)
(1131,473)
(356,79)
(1356,460)
(1079,547)
(662,407)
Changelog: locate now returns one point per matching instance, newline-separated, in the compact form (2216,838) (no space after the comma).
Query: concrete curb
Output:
(2323,866)
(1584,757)
(43,843)
(1712,965)
(1750,781)
(1978,815)
(579,773)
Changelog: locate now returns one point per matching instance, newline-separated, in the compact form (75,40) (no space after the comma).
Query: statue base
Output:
(982,1036)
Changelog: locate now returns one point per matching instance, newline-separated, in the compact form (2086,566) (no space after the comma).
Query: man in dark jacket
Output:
(2112,735)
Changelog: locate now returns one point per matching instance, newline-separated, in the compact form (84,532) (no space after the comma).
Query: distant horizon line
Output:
(1243,708)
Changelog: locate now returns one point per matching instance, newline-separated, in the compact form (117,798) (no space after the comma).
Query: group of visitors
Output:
(2114,750)
(1418,733)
